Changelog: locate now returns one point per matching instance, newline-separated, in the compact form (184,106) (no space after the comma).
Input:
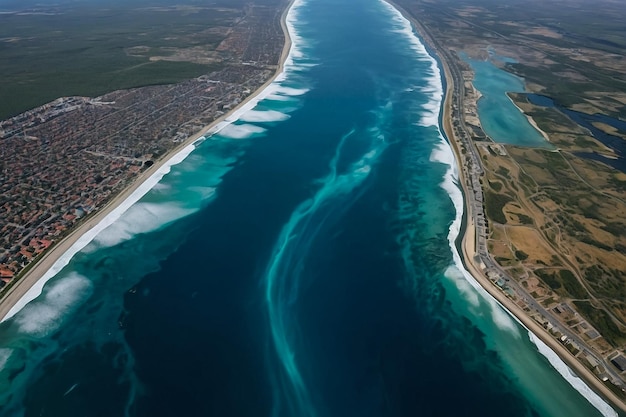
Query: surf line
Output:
(445,155)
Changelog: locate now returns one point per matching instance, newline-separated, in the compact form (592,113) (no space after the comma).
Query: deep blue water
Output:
(297,263)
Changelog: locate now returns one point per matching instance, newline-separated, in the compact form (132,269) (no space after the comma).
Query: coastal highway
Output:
(473,170)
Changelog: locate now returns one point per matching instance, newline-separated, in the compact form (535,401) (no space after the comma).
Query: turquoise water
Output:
(299,262)
(501,120)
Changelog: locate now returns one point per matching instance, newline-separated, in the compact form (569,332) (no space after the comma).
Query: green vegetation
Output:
(583,142)
(578,46)
(89,50)
(615,389)
(615,228)
(588,240)
(619,184)
(496,186)
(524,219)
(521,255)
(606,282)
(556,162)
(494,203)
(601,321)
(571,284)
(527,180)
(565,282)
(594,274)
(504,172)
(549,278)
(572,349)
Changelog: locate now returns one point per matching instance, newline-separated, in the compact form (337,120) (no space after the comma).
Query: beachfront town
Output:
(564,324)
(63,161)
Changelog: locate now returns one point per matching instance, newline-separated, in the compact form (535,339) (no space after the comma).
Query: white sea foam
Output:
(443,154)
(161,187)
(295,50)
(275,91)
(88,236)
(431,110)
(430,114)
(291,91)
(264,116)
(44,315)
(472,292)
(502,317)
(5,354)
(465,288)
(578,384)
(272,92)
(140,218)
(241,131)
(204,192)
(278,97)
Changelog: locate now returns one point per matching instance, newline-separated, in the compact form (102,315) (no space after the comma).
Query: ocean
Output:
(300,260)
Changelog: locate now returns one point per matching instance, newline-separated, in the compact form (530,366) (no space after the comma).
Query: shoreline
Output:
(33,277)
(531,121)
(468,248)
(467,236)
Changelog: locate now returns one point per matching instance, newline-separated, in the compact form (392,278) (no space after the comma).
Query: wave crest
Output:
(44,315)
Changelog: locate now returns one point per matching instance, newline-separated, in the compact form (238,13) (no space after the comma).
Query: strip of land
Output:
(17,291)
(550,223)
(470,169)
(69,157)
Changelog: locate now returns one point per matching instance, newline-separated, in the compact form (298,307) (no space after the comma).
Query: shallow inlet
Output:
(501,120)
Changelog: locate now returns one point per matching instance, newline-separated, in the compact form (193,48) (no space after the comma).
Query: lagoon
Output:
(501,120)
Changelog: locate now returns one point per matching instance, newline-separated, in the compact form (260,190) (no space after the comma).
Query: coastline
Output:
(468,248)
(531,121)
(18,291)
(21,288)
(468,241)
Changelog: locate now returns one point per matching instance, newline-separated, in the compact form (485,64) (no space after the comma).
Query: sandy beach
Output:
(468,247)
(468,244)
(19,290)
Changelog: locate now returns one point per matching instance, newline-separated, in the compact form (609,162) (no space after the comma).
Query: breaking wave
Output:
(240,131)
(578,384)
(264,116)
(140,218)
(44,316)
(88,236)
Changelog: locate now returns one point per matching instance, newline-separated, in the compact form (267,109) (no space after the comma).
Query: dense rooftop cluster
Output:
(64,160)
